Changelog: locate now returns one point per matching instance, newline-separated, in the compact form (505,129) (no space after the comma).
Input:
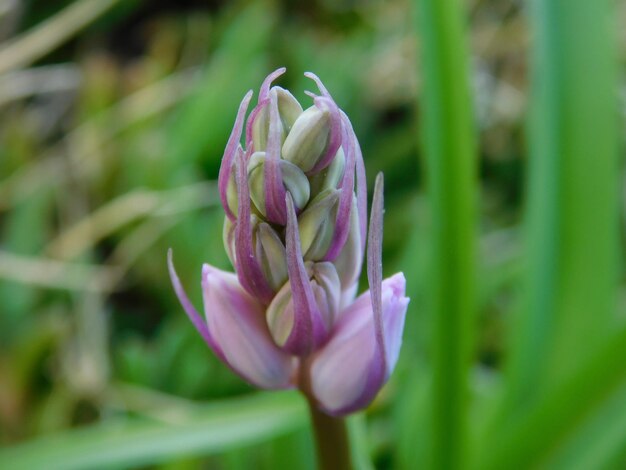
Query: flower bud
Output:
(350,369)
(228,237)
(231,193)
(349,261)
(294,181)
(270,253)
(289,109)
(330,176)
(325,286)
(307,139)
(317,225)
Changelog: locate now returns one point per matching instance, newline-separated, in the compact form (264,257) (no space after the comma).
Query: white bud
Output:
(288,108)
(330,176)
(326,290)
(307,139)
(317,225)
(294,181)
(349,261)
(271,255)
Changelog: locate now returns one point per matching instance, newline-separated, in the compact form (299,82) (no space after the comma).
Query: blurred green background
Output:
(113,119)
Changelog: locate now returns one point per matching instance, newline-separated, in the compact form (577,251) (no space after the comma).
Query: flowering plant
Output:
(295,231)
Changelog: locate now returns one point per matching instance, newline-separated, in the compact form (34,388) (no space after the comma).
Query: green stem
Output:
(331,440)
(449,147)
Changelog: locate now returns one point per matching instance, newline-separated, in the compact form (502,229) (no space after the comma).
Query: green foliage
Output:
(505,222)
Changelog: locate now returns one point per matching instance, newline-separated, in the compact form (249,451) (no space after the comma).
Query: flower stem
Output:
(331,441)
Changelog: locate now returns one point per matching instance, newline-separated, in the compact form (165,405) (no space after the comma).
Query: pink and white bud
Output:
(296,226)
(234,328)
(281,313)
(289,110)
(348,372)
(236,321)
(293,180)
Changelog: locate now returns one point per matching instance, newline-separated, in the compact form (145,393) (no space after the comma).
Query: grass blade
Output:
(449,146)
(534,436)
(572,223)
(210,429)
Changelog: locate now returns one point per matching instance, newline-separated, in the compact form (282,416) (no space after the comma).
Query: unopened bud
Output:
(231,194)
(294,181)
(271,255)
(228,237)
(288,108)
(307,139)
(326,290)
(317,225)
(330,176)
(349,261)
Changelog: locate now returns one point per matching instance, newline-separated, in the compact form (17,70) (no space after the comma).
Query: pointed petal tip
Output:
(196,319)
(397,283)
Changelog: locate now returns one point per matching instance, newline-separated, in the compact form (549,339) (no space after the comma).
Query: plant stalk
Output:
(332,442)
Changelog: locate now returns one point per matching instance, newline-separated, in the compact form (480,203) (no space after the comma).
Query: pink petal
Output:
(190,310)
(237,322)
(348,372)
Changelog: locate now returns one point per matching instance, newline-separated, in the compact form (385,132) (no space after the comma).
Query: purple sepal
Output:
(262,102)
(334,135)
(349,370)
(237,321)
(308,330)
(342,226)
(247,266)
(196,319)
(361,190)
(356,362)
(230,153)
(267,83)
(274,187)
(375,264)
(319,84)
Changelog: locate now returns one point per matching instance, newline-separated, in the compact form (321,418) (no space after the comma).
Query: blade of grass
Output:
(531,438)
(207,430)
(449,146)
(572,219)
(53,32)
(600,442)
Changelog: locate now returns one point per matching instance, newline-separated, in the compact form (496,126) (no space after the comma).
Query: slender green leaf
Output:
(209,429)
(572,223)
(600,443)
(531,438)
(449,146)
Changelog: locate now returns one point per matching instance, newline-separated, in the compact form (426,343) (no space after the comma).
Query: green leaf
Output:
(448,134)
(573,216)
(532,437)
(204,430)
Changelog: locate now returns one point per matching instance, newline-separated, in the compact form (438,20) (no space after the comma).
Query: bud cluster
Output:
(295,231)
(309,156)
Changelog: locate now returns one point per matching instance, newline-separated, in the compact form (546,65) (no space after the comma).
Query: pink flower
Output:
(295,230)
